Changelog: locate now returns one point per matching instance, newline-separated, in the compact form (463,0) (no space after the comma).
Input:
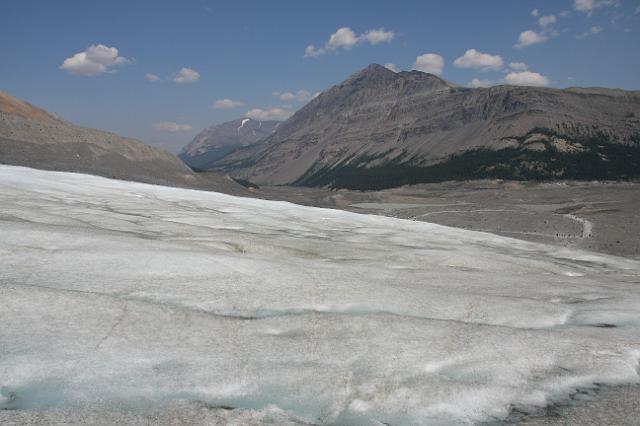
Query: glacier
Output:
(137,297)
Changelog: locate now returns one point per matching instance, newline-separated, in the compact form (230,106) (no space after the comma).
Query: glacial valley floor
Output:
(594,216)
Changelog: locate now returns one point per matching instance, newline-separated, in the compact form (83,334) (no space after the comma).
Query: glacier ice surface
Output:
(129,295)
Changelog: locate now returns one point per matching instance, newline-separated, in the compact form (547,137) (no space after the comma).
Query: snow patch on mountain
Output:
(244,120)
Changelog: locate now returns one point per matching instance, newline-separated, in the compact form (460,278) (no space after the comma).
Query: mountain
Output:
(16,107)
(382,129)
(33,137)
(218,140)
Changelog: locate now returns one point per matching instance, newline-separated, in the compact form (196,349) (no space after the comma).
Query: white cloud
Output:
(474,59)
(564,13)
(526,78)
(152,77)
(529,37)
(588,6)
(476,82)
(227,104)
(300,96)
(391,66)
(592,31)
(535,12)
(269,114)
(345,38)
(171,127)
(378,36)
(547,20)
(186,75)
(518,66)
(94,60)
(311,51)
(429,62)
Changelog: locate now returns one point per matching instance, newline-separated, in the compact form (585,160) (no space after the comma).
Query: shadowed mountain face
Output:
(395,127)
(33,137)
(219,140)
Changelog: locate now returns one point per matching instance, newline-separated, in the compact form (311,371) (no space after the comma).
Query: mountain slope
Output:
(218,140)
(394,125)
(33,137)
(16,107)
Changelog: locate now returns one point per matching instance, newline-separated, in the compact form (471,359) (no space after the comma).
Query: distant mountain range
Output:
(33,137)
(216,141)
(377,129)
(382,129)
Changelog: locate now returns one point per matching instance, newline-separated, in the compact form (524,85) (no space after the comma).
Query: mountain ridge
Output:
(377,117)
(216,141)
(14,106)
(33,137)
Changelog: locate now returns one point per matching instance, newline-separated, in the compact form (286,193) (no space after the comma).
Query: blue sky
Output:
(89,61)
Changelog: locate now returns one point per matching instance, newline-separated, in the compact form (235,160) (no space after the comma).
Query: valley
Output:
(320,213)
(597,216)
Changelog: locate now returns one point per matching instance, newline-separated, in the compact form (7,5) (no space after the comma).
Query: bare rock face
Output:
(33,137)
(395,125)
(219,140)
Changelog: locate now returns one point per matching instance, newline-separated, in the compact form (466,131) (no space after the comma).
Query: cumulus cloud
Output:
(378,36)
(476,82)
(547,20)
(592,31)
(526,78)
(391,66)
(227,104)
(429,62)
(535,12)
(269,114)
(474,59)
(300,96)
(171,127)
(588,6)
(529,37)
(186,75)
(152,77)
(311,51)
(94,60)
(345,38)
(518,66)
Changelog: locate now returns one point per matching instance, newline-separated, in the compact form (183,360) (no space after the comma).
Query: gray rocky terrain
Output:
(381,129)
(33,137)
(594,216)
(218,140)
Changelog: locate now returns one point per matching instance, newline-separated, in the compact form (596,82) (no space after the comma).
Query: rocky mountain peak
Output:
(380,129)
(372,75)
(376,77)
